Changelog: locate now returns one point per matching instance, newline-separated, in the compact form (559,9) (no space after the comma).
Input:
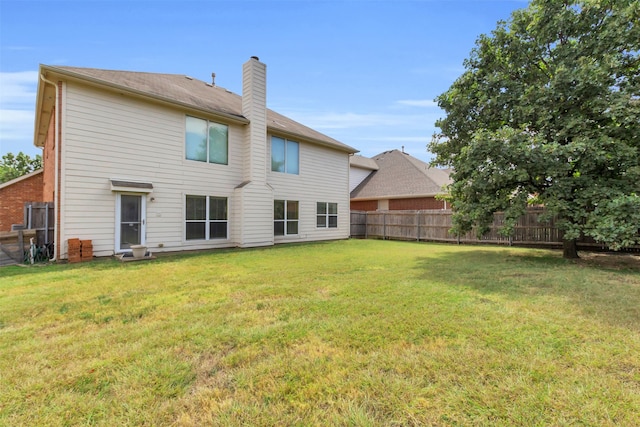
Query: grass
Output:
(351,333)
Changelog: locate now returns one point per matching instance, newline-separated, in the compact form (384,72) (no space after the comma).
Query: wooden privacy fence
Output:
(39,216)
(434,226)
(15,245)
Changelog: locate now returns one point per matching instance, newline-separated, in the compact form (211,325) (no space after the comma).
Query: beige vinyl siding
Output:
(254,210)
(356,176)
(109,136)
(324,177)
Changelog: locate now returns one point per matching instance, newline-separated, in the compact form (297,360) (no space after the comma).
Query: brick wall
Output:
(364,205)
(13,196)
(415,204)
(399,204)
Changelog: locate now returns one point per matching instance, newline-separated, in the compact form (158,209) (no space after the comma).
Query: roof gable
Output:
(401,175)
(20,178)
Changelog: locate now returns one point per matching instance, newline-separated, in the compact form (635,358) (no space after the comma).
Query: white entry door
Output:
(130,221)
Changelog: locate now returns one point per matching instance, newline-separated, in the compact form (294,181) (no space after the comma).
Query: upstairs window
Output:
(285,155)
(327,215)
(206,141)
(285,217)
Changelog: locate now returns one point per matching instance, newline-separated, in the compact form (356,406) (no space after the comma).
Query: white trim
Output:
(129,186)
(326,216)
(143,220)
(286,219)
(207,220)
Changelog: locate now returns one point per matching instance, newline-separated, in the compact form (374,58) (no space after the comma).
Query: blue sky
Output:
(364,72)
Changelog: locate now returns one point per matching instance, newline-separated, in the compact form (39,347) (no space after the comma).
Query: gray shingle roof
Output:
(193,93)
(363,162)
(399,176)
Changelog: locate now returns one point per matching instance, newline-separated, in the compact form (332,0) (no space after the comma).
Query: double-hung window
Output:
(285,217)
(285,155)
(206,218)
(206,141)
(326,215)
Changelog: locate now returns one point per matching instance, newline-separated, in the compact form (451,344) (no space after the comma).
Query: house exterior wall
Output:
(324,177)
(108,136)
(14,194)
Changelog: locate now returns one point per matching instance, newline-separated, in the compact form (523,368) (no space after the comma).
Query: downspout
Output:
(56,142)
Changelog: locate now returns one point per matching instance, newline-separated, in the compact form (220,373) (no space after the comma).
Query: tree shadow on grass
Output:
(604,288)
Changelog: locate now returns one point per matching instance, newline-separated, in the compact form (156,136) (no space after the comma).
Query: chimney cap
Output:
(255,57)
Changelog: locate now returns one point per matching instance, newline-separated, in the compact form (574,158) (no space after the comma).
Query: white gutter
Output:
(55,181)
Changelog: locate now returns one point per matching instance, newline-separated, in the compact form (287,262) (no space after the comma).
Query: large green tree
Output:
(549,107)
(13,166)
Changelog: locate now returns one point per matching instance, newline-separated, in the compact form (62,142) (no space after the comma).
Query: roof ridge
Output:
(76,70)
(68,67)
(185,91)
(412,161)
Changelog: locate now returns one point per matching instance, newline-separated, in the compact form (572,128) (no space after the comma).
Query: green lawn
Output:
(354,333)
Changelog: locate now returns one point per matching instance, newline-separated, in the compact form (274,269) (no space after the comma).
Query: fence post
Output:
(418,226)
(21,245)
(46,223)
(366,225)
(384,226)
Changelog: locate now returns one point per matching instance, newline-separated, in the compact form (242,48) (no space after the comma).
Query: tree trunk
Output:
(569,249)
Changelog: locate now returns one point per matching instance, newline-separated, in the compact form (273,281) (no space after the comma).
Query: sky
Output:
(365,72)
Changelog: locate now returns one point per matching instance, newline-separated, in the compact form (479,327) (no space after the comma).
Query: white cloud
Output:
(348,120)
(17,110)
(16,124)
(408,139)
(18,89)
(418,103)
(333,120)
(377,131)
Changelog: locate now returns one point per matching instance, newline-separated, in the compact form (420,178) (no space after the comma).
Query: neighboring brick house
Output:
(396,181)
(175,163)
(14,194)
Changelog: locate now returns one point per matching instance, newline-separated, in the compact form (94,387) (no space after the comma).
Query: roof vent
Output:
(188,77)
(213,79)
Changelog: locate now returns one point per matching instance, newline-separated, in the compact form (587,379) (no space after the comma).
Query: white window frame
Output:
(326,215)
(286,220)
(207,221)
(208,123)
(286,156)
